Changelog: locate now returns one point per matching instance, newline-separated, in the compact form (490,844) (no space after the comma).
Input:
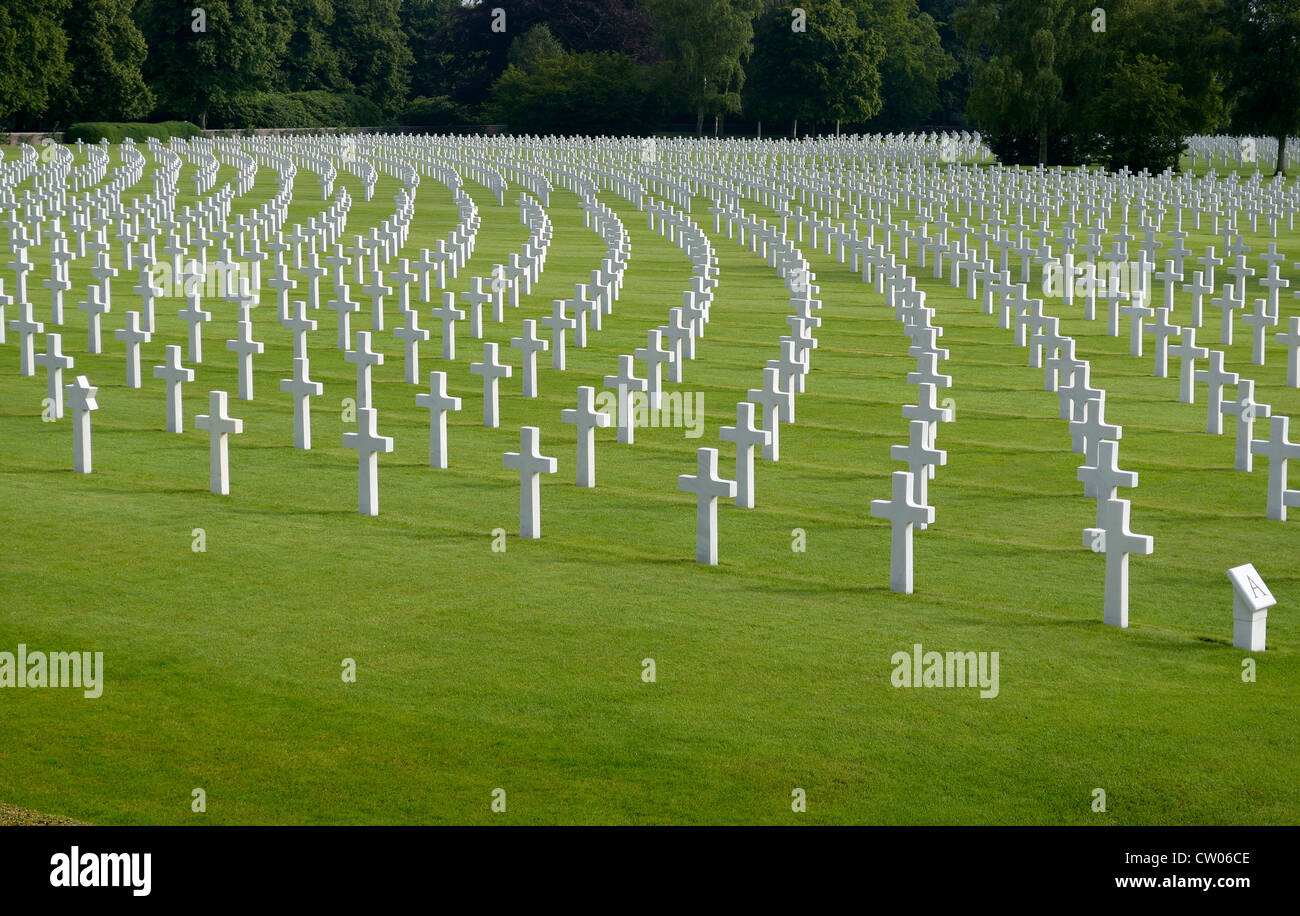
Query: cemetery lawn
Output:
(522,670)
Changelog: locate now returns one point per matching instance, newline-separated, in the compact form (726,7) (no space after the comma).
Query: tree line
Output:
(1119,82)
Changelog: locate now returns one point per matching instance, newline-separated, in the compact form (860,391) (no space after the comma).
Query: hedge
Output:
(252,110)
(116,132)
(432,111)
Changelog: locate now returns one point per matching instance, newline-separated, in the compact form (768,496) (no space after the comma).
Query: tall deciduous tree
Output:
(915,67)
(820,67)
(1266,72)
(33,63)
(106,53)
(1161,82)
(709,40)
(309,59)
(372,49)
(200,56)
(1043,60)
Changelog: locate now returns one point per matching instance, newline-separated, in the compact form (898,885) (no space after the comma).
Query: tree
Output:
(196,63)
(535,43)
(915,67)
(591,93)
(1265,82)
(954,89)
(309,60)
(709,40)
(827,72)
(1043,60)
(1161,82)
(105,53)
(33,62)
(1138,115)
(454,51)
(372,50)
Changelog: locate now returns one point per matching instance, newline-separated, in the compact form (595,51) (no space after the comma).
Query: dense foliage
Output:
(1045,81)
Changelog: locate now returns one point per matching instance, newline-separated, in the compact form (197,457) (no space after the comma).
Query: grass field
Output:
(521,670)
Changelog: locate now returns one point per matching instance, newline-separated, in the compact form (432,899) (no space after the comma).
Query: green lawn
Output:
(522,670)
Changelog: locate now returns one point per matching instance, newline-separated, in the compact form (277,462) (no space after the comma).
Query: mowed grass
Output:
(522,670)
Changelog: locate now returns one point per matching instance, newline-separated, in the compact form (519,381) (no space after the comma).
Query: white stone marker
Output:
(302,389)
(1279,450)
(624,383)
(54,362)
(368,444)
(745,435)
(1103,479)
(363,358)
(132,335)
(376,290)
(530,344)
(921,458)
(530,463)
(903,514)
(81,401)
(343,306)
(1291,339)
(1116,541)
(1215,379)
(1247,411)
(586,418)
(412,335)
(298,324)
(774,400)
(245,347)
(218,424)
(27,328)
(928,410)
(173,374)
(558,322)
(448,314)
(1251,600)
(1187,353)
(654,356)
(707,487)
(195,317)
(438,402)
(491,372)
(475,299)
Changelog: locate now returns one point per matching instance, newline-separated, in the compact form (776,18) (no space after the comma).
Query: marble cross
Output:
(586,418)
(302,389)
(368,444)
(491,371)
(80,396)
(438,402)
(707,487)
(903,514)
(745,435)
(173,375)
(530,463)
(219,425)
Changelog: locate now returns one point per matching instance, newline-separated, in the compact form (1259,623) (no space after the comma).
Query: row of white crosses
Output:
(758,419)
(1238,152)
(173,374)
(908,506)
(774,245)
(963,256)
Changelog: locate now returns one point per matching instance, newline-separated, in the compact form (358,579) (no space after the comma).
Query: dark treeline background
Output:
(1119,82)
